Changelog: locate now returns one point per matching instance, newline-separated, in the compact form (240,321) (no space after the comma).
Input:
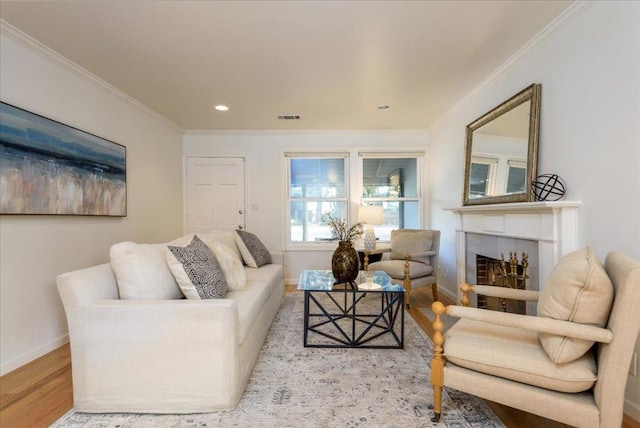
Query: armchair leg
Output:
(434,291)
(406,282)
(437,400)
(437,361)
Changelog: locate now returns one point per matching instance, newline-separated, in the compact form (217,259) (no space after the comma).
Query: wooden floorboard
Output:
(38,393)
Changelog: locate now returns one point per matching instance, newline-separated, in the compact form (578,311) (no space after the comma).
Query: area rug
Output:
(294,386)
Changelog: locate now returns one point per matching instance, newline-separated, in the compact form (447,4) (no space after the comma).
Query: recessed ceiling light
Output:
(383,107)
(221,108)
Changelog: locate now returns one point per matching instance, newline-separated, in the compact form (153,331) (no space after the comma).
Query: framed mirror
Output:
(501,153)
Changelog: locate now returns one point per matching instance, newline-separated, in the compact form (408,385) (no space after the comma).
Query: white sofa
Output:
(165,355)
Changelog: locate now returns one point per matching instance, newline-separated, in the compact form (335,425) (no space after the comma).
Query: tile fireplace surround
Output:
(545,230)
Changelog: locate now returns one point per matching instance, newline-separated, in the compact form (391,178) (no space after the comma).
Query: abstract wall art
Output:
(47,167)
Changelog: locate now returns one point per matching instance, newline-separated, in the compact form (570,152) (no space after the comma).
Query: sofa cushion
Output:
(225,237)
(197,270)
(579,290)
(410,242)
(231,266)
(271,274)
(250,304)
(142,272)
(515,354)
(253,251)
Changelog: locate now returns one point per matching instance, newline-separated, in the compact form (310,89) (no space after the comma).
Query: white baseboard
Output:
(632,409)
(291,280)
(30,356)
(449,294)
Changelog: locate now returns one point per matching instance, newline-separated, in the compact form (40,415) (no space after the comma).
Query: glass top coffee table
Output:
(338,316)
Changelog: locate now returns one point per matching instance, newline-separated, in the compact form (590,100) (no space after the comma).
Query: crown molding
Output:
(276,132)
(561,20)
(49,54)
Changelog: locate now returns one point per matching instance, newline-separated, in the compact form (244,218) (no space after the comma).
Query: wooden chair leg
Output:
(437,361)
(434,291)
(406,282)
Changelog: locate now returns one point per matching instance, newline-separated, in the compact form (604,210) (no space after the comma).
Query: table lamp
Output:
(370,215)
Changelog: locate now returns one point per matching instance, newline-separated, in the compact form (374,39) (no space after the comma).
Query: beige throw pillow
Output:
(579,290)
(142,273)
(231,266)
(410,242)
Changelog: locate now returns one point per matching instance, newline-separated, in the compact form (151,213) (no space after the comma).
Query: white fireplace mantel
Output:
(554,225)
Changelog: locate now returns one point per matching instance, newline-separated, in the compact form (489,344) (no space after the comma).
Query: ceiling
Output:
(331,62)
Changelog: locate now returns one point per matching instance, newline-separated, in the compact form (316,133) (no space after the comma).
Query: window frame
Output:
(519,165)
(419,157)
(492,173)
(288,156)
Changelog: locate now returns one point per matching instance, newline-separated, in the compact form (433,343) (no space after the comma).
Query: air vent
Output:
(289,116)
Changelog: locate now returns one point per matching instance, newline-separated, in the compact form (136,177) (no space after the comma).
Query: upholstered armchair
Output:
(569,363)
(413,260)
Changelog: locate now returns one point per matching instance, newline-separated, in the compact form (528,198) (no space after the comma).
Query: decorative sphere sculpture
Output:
(548,187)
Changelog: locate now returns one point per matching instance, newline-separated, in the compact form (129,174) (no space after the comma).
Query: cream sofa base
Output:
(159,356)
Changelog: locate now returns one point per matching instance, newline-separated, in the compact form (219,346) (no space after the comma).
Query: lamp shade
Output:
(370,214)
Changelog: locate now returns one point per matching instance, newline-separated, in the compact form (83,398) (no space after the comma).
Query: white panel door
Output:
(215,194)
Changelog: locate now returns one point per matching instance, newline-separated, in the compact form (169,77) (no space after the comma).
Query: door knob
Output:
(240,212)
(240,227)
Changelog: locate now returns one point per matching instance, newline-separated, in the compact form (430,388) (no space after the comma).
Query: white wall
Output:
(264,169)
(589,68)
(34,249)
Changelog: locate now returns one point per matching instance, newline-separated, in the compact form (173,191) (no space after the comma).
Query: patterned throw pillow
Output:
(253,251)
(197,270)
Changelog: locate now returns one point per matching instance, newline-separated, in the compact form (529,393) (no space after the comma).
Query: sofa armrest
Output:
(421,254)
(277,257)
(168,321)
(87,285)
(147,349)
(528,322)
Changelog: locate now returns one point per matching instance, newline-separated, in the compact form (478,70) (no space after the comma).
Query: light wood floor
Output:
(38,393)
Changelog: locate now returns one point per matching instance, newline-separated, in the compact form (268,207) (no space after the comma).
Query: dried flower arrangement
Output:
(339,229)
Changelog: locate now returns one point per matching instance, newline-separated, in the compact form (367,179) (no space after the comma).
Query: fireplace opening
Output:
(502,273)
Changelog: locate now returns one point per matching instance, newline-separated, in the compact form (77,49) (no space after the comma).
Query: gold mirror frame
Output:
(532,94)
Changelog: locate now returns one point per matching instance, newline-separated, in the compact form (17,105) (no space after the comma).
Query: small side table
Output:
(371,256)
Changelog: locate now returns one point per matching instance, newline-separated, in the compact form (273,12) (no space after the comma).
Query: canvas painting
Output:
(47,167)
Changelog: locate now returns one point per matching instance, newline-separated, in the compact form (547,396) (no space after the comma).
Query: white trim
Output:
(315,154)
(573,10)
(49,54)
(393,154)
(340,132)
(33,355)
(287,156)
(632,409)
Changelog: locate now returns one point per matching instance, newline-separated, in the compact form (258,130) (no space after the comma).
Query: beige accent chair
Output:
(413,260)
(509,358)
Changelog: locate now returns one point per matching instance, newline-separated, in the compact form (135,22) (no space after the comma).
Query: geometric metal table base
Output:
(354,319)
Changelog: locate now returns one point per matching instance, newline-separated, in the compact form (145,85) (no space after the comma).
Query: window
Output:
(393,182)
(516,177)
(317,186)
(482,177)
